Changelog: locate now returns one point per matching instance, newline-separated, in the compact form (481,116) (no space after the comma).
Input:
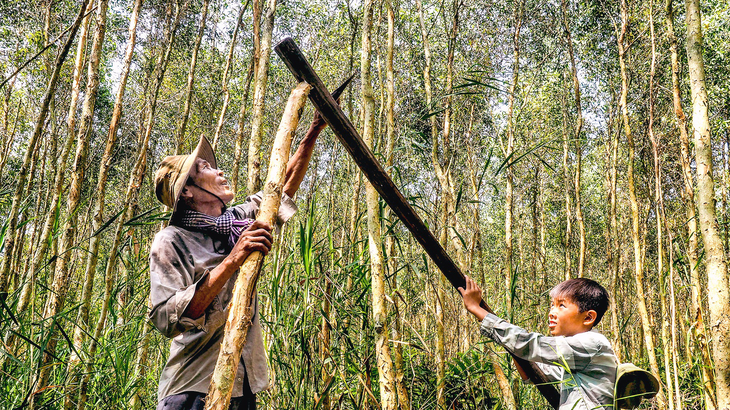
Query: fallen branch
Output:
(240,315)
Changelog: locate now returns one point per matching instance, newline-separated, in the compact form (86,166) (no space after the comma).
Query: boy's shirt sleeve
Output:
(558,352)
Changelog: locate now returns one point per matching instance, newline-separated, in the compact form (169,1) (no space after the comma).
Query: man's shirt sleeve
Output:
(561,353)
(171,289)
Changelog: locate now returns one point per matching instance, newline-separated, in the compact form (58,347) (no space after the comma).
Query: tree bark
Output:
(260,82)
(388,394)
(718,295)
(241,313)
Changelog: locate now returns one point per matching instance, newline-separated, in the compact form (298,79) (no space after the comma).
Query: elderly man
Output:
(193,267)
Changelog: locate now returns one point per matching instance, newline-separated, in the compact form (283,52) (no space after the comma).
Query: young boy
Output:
(580,359)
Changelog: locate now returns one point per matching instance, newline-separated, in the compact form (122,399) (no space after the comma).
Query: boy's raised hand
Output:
(472,296)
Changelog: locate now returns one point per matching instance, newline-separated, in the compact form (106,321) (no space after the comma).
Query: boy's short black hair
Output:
(586,293)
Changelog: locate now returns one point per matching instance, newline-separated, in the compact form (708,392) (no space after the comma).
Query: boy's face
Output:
(566,319)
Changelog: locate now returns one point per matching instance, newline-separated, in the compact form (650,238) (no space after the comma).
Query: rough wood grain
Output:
(240,315)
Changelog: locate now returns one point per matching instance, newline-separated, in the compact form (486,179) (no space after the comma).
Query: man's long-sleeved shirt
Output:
(583,364)
(179,260)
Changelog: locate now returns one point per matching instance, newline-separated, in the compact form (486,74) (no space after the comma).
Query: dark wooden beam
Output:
(371,168)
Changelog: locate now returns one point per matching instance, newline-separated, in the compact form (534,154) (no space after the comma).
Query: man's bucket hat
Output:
(632,385)
(174,170)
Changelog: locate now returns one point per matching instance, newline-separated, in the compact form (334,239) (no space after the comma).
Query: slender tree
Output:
(62,274)
(388,394)
(577,135)
(226,71)
(82,320)
(191,79)
(718,295)
(635,233)
(24,170)
(260,82)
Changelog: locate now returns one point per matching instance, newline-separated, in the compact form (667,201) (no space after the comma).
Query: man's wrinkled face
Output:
(566,319)
(212,180)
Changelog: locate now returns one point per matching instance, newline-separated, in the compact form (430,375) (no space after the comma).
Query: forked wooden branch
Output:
(371,168)
(240,315)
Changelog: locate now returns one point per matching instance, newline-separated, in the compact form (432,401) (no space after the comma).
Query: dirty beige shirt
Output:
(179,260)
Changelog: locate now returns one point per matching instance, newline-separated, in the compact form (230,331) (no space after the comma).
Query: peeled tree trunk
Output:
(241,315)
(22,175)
(718,292)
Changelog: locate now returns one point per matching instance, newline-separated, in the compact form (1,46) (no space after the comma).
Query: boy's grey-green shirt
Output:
(179,260)
(584,365)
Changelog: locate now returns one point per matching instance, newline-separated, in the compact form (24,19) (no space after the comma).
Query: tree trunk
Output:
(655,141)
(568,261)
(578,145)
(718,295)
(241,314)
(388,394)
(260,82)
(191,79)
(224,81)
(238,153)
(638,257)
(404,402)
(614,250)
(689,198)
(62,273)
(60,169)
(507,150)
(98,220)
(12,218)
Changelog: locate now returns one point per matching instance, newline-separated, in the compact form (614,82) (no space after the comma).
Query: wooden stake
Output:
(241,314)
(371,168)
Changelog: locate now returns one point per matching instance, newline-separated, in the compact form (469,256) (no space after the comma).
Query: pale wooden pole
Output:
(240,315)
